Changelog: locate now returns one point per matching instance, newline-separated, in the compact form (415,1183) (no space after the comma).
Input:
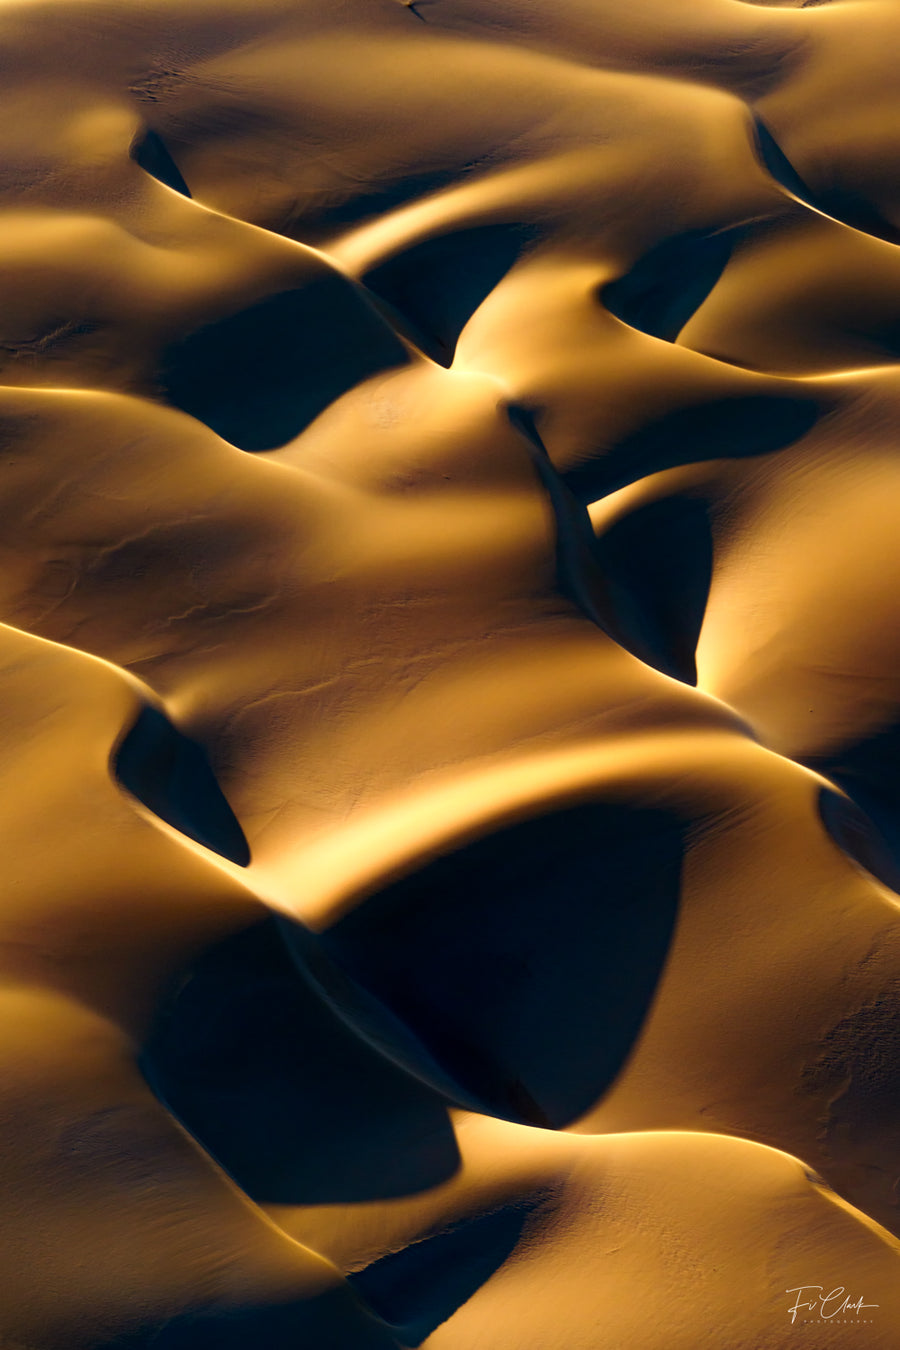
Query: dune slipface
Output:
(450,675)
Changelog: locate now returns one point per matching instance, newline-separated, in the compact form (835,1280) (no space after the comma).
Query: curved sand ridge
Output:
(450,693)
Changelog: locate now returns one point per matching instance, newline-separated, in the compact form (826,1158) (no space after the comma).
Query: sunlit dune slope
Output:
(626,1238)
(114,1219)
(449,668)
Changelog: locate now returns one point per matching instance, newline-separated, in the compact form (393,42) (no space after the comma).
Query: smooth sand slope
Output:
(449,668)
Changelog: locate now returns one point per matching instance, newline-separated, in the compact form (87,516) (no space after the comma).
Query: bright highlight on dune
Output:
(449,675)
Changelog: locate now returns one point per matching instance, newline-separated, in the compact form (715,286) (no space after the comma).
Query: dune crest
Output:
(450,685)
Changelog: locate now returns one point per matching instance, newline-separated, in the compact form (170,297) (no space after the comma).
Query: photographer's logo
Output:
(813,1304)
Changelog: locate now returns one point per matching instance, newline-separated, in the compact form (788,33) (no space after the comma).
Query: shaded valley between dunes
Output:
(449,675)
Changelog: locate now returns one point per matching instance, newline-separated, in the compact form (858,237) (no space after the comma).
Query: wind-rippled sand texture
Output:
(449,681)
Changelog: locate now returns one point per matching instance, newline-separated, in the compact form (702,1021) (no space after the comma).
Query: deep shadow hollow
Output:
(725,428)
(330,1321)
(438,284)
(577,574)
(865,823)
(171,776)
(261,376)
(525,961)
(418,1288)
(841,202)
(657,566)
(668,285)
(154,157)
(295,1107)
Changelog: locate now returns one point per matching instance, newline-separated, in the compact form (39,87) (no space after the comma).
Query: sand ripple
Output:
(450,687)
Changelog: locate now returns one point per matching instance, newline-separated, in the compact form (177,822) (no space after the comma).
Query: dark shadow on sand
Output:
(171,775)
(666,287)
(525,962)
(418,1288)
(868,826)
(293,1105)
(725,428)
(328,1322)
(657,567)
(843,203)
(438,285)
(372,201)
(646,580)
(153,156)
(577,573)
(259,377)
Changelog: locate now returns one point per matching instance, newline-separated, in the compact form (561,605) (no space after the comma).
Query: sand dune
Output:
(449,669)
(540,1228)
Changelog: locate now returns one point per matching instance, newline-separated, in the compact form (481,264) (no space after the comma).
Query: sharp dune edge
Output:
(449,675)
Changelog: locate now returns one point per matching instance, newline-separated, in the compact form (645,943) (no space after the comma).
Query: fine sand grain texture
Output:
(449,675)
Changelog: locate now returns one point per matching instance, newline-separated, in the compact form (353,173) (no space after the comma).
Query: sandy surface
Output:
(449,675)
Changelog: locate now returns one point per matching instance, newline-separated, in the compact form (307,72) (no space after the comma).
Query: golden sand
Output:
(449,676)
